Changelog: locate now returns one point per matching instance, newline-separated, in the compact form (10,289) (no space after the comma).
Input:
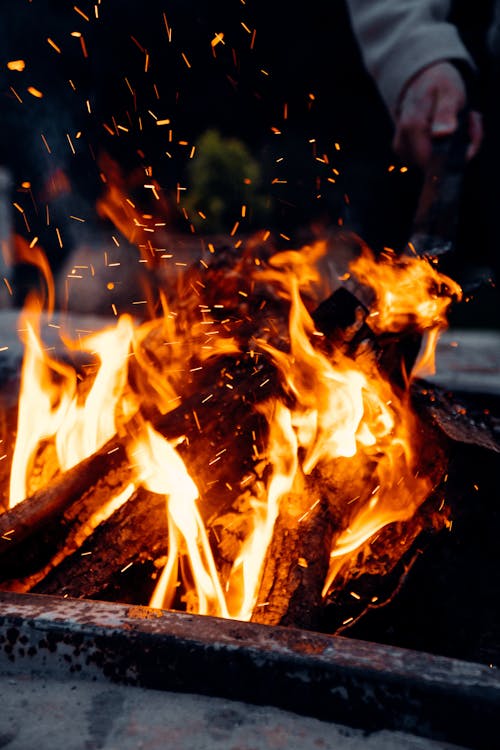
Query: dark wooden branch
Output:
(296,564)
(132,539)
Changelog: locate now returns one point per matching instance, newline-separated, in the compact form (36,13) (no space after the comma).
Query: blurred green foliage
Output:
(223,177)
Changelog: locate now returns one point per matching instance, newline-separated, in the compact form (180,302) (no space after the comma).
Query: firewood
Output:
(133,539)
(216,449)
(27,517)
(296,564)
(34,529)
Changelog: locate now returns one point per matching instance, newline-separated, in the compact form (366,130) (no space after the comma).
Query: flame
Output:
(243,584)
(46,390)
(408,290)
(78,426)
(347,409)
(334,414)
(88,425)
(161,470)
(33,255)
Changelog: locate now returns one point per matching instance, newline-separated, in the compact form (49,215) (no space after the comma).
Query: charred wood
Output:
(134,536)
(216,450)
(296,564)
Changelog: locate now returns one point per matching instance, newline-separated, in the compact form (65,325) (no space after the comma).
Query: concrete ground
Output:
(468,360)
(48,713)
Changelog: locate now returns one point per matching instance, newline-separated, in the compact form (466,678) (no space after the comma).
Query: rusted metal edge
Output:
(356,683)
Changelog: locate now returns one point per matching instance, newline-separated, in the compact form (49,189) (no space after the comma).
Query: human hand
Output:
(429,109)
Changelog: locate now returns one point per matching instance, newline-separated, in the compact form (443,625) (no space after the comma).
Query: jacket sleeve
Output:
(397,38)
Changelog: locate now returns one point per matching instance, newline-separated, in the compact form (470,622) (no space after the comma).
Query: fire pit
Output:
(261,429)
(340,542)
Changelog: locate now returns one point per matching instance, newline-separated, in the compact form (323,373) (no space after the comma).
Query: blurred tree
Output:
(224,185)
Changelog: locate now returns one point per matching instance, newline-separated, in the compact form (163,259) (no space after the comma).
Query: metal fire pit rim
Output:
(330,677)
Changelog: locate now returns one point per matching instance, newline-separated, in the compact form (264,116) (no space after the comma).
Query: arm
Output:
(411,51)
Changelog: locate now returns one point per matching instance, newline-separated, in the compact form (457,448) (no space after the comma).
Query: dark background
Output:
(287,81)
(303,51)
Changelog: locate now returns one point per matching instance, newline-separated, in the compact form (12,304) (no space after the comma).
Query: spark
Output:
(16,94)
(218,39)
(83,46)
(167,27)
(53,45)
(35,92)
(304,515)
(81,13)
(45,143)
(18,65)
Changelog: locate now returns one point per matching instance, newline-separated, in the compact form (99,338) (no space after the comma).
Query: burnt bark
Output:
(296,564)
(130,543)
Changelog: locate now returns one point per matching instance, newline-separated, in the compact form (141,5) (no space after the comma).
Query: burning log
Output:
(278,390)
(27,518)
(34,528)
(296,564)
(135,536)
(32,531)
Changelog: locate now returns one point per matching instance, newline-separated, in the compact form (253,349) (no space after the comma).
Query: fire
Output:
(334,418)
(163,472)
(77,426)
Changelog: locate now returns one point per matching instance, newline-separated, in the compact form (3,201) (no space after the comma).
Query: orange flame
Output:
(335,415)
(348,409)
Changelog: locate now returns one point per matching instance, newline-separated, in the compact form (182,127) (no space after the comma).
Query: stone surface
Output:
(44,713)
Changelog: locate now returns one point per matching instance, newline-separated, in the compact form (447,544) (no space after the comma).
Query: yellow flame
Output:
(162,470)
(246,572)
(90,424)
(334,414)
(47,388)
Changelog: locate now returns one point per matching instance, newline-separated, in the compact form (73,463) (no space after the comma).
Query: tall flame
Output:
(334,414)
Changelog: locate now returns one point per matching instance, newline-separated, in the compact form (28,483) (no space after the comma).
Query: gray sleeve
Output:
(397,38)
